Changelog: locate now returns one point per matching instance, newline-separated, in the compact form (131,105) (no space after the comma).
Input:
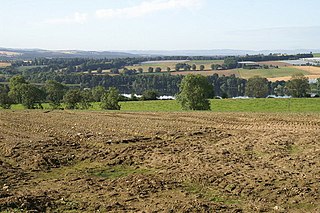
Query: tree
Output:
(201,67)
(5,100)
(215,66)
(115,71)
(26,94)
(298,86)
(110,100)
(257,87)
(31,96)
(149,95)
(186,67)
(15,91)
(230,63)
(72,98)
(318,86)
(194,93)
(158,69)
(86,99)
(150,69)
(194,67)
(97,93)
(99,70)
(168,69)
(140,70)
(55,92)
(280,90)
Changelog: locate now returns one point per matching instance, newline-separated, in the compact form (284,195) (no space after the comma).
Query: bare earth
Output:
(159,162)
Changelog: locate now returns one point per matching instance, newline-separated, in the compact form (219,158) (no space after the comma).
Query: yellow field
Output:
(309,71)
(163,65)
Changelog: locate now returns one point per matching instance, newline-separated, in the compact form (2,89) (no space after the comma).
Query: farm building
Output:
(249,65)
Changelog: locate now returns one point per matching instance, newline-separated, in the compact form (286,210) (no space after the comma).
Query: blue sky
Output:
(160,24)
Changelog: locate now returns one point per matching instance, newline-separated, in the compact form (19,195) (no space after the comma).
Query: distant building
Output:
(249,65)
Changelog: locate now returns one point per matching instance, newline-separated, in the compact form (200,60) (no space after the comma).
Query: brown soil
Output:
(64,161)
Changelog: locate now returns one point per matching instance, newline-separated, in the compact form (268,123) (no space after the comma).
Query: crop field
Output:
(270,73)
(163,65)
(75,161)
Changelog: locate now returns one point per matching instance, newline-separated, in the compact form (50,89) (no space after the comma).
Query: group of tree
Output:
(33,96)
(298,87)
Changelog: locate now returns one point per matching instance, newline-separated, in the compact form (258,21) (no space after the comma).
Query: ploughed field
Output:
(75,161)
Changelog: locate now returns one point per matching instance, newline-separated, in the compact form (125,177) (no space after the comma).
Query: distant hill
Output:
(27,54)
(216,52)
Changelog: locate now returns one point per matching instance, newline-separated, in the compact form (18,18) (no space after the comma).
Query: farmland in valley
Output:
(144,161)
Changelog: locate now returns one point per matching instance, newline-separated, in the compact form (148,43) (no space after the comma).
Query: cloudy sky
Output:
(160,24)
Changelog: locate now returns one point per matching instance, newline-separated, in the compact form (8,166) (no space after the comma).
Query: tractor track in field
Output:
(53,161)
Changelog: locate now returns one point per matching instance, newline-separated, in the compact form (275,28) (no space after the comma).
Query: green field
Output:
(316,54)
(26,68)
(221,105)
(270,73)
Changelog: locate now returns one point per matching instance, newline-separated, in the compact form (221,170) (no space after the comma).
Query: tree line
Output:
(32,96)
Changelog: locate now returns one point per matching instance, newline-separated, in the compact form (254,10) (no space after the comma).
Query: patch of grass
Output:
(118,171)
(266,105)
(45,106)
(26,68)
(304,207)
(163,105)
(88,168)
(13,211)
(316,55)
(270,73)
(294,149)
(208,193)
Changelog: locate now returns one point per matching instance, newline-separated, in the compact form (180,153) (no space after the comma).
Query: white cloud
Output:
(147,7)
(76,18)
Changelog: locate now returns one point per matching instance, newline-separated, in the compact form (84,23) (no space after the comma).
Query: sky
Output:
(160,24)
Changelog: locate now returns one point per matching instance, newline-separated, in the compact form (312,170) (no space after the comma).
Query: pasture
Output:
(218,105)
